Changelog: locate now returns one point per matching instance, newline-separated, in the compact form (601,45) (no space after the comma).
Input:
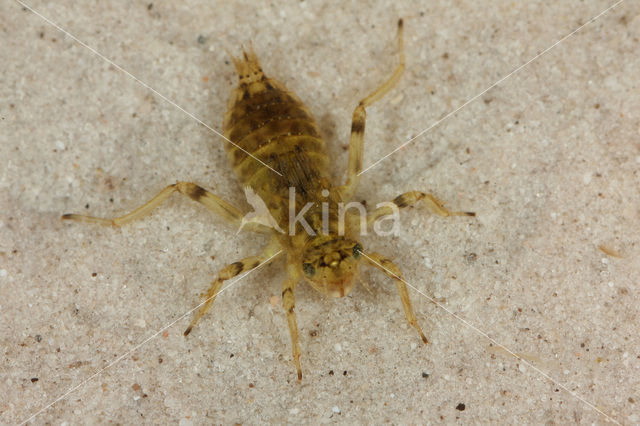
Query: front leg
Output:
(288,304)
(409,199)
(231,271)
(388,267)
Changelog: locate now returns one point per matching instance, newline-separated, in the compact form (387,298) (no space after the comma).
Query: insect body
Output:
(277,151)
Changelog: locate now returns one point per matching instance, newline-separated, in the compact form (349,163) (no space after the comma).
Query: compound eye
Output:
(357,250)
(308,269)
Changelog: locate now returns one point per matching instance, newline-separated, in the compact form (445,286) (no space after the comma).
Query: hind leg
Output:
(356,145)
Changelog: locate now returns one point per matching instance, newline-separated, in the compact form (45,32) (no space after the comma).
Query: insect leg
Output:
(356,145)
(191,190)
(388,267)
(231,271)
(288,304)
(409,199)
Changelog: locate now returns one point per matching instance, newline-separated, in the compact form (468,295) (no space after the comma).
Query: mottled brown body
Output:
(274,147)
(272,124)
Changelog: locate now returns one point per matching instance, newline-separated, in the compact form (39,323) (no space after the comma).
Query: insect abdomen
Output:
(273,125)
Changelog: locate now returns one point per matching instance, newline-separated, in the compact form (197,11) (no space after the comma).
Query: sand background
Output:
(549,160)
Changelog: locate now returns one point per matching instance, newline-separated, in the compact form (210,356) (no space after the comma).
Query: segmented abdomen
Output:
(269,122)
